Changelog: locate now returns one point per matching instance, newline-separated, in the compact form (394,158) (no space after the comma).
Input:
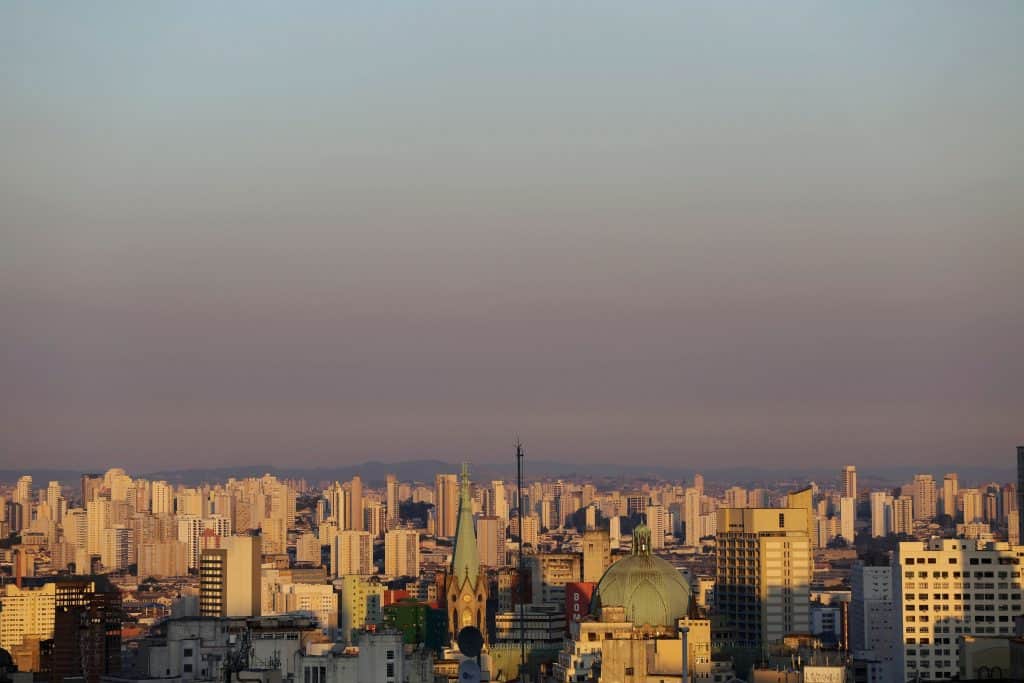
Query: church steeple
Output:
(466,585)
(466,558)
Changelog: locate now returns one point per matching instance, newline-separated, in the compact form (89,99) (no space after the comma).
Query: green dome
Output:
(652,591)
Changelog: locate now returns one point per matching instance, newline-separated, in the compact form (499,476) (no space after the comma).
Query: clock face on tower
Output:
(465,598)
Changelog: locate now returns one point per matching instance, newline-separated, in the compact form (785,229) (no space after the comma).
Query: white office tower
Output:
(848,482)
(946,589)
(659,523)
(615,532)
(402,553)
(874,626)
(848,518)
(490,540)
(881,514)
(923,493)
(950,494)
(352,553)
(591,517)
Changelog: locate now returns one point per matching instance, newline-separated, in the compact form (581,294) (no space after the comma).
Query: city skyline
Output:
(654,233)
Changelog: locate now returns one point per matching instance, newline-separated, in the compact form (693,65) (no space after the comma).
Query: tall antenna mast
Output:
(522,566)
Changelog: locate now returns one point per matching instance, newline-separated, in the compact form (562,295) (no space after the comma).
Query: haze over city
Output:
(678,235)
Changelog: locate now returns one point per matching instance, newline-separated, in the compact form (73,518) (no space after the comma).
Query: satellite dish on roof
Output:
(471,641)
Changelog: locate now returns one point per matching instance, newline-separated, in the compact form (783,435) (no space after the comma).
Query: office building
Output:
(764,569)
(229,578)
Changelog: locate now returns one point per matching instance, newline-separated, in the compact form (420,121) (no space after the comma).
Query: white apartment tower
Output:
(402,553)
(944,589)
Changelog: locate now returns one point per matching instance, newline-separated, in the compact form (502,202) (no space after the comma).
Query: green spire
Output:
(466,558)
(642,540)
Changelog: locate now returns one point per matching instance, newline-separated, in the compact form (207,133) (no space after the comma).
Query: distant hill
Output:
(373,472)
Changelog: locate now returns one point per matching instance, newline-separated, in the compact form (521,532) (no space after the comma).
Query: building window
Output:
(391,670)
(390,654)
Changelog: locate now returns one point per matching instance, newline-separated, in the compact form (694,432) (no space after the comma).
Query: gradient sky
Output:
(321,233)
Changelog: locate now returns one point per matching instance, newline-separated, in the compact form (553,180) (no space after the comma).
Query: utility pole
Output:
(522,565)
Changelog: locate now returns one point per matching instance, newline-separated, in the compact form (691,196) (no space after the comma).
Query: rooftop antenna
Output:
(522,566)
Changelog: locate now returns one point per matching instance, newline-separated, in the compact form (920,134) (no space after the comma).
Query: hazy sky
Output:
(322,233)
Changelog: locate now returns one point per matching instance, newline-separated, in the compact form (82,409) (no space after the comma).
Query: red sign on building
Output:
(577,600)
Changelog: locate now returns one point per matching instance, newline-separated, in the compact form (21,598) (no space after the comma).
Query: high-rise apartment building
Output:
(881,514)
(691,515)
(402,553)
(229,578)
(946,589)
(391,500)
(92,484)
(971,504)
(848,482)
(950,495)
(446,504)
(764,569)
(352,553)
(190,531)
(490,540)
(873,625)
(848,518)
(498,502)
(659,524)
(923,493)
(115,550)
(1020,492)
(355,503)
(531,530)
(362,602)
(903,515)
